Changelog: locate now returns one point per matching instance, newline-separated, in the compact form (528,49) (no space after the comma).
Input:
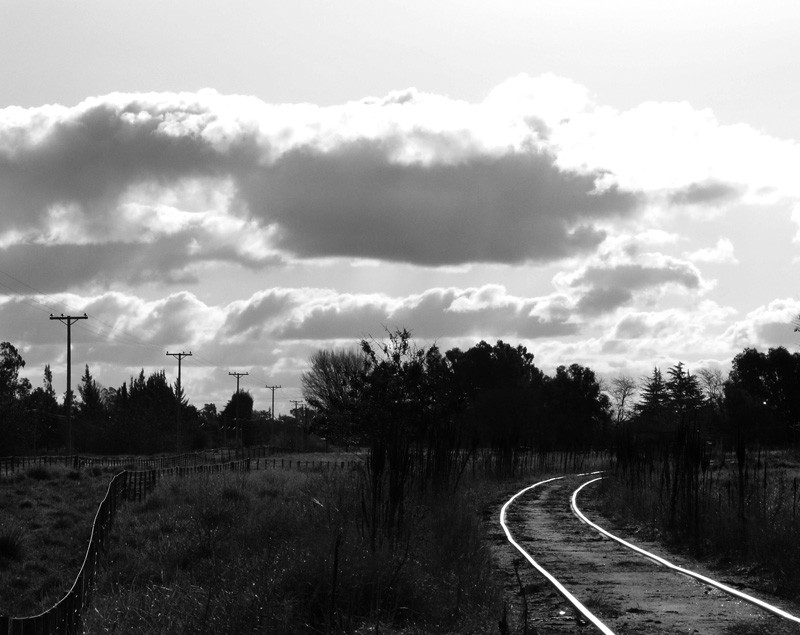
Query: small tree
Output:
(623,391)
(332,387)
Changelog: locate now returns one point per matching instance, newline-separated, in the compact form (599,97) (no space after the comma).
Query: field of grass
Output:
(274,550)
(744,518)
(286,552)
(46,516)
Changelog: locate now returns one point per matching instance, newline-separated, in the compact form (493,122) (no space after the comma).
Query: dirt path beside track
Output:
(629,593)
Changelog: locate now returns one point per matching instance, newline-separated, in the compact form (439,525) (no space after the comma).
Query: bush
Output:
(222,554)
(12,543)
(39,473)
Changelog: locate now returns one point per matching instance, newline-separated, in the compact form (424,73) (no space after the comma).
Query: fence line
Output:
(65,615)
(136,485)
(9,464)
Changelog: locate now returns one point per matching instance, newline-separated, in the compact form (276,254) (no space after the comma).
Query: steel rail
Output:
(563,591)
(692,574)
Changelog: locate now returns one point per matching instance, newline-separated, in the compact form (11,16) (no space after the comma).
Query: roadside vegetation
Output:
(290,552)
(396,544)
(46,516)
(718,475)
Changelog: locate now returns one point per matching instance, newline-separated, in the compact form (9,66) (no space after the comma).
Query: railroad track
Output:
(577,579)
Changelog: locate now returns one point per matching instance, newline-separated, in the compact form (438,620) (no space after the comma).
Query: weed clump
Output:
(12,543)
(288,552)
(39,473)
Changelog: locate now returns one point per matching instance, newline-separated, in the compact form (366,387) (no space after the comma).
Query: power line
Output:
(69,320)
(132,339)
(115,333)
(238,424)
(272,412)
(179,395)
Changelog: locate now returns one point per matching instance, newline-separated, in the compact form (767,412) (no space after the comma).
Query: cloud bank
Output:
(120,191)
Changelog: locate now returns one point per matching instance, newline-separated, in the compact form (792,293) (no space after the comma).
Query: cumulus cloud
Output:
(681,152)
(611,280)
(766,326)
(634,341)
(268,330)
(533,173)
(721,253)
(320,314)
(710,192)
(413,178)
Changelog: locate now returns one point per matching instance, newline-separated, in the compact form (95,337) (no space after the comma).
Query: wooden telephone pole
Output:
(69,320)
(179,394)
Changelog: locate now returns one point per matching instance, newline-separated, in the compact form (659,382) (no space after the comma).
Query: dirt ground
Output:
(629,593)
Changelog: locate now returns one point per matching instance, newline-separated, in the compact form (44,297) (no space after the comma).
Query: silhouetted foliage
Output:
(577,409)
(237,416)
(332,387)
(13,393)
(767,385)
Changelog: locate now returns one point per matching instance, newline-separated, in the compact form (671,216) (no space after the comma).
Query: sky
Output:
(612,184)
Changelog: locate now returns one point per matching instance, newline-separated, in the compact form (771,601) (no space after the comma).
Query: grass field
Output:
(274,550)
(744,518)
(286,552)
(45,519)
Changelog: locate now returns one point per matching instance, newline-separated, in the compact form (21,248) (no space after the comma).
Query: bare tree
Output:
(331,386)
(713,384)
(623,390)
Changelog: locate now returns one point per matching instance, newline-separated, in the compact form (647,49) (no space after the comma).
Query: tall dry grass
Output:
(46,517)
(289,552)
(742,514)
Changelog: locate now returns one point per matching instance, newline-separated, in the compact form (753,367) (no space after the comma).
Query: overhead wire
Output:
(114,332)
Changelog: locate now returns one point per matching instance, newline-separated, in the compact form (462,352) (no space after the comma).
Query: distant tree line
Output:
(494,396)
(139,417)
(488,396)
(758,403)
(423,413)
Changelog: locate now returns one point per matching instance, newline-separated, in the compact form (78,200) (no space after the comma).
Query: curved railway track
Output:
(581,580)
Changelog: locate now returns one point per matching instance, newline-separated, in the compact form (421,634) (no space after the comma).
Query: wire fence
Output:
(135,485)
(65,615)
(10,464)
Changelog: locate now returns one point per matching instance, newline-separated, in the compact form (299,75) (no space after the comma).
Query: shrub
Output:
(12,543)
(286,552)
(39,473)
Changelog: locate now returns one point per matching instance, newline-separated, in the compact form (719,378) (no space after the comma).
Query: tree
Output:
(13,392)
(713,385)
(12,386)
(237,415)
(92,422)
(623,391)
(685,396)
(577,406)
(497,386)
(332,387)
(42,409)
(404,411)
(770,383)
(654,397)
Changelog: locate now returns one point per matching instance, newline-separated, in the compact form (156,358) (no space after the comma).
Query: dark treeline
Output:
(423,413)
(490,396)
(139,417)
(682,420)
(712,463)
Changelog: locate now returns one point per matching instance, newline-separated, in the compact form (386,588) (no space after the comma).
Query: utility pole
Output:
(179,357)
(273,389)
(299,405)
(69,320)
(238,427)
